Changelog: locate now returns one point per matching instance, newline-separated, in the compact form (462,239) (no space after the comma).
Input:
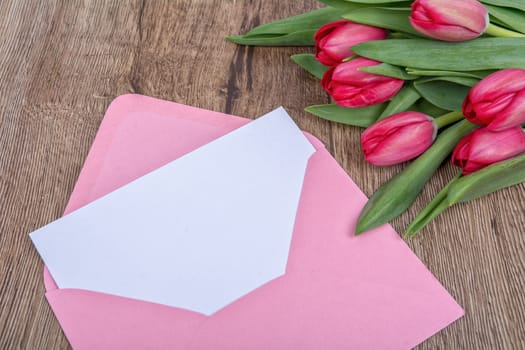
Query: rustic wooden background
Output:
(61,64)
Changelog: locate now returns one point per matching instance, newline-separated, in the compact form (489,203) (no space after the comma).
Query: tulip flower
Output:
(334,40)
(350,87)
(398,138)
(483,147)
(449,20)
(497,101)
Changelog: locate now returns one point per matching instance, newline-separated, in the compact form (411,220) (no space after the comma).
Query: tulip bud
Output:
(350,87)
(483,147)
(334,40)
(398,138)
(449,20)
(497,101)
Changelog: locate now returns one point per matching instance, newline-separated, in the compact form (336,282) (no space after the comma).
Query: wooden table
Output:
(61,64)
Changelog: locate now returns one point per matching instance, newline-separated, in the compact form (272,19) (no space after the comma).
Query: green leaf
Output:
(352,5)
(342,5)
(292,31)
(499,175)
(362,117)
(432,210)
(465,81)
(376,1)
(442,92)
(512,18)
(480,74)
(389,18)
(428,108)
(396,195)
(389,70)
(494,20)
(517,4)
(462,189)
(306,21)
(305,38)
(473,55)
(310,64)
(405,98)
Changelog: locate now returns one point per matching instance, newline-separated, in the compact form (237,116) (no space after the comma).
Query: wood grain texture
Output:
(62,62)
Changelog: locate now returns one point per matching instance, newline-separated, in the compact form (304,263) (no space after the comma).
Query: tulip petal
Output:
(498,100)
(398,138)
(405,144)
(350,87)
(444,31)
(334,40)
(483,147)
(486,109)
(449,20)
(500,83)
(338,43)
(368,95)
(469,14)
(349,72)
(500,145)
(460,154)
(328,28)
(513,115)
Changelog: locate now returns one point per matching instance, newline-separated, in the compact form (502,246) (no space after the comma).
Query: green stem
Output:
(433,209)
(501,32)
(448,118)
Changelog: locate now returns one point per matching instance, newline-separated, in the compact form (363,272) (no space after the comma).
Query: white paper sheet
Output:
(197,233)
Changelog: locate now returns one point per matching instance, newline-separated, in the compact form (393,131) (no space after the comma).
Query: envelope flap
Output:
(166,130)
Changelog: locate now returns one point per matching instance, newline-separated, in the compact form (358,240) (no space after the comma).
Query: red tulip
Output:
(483,147)
(334,40)
(398,138)
(449,20)
(497,101)
(350,87)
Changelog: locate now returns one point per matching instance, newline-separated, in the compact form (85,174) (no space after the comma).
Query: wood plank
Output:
(61,64)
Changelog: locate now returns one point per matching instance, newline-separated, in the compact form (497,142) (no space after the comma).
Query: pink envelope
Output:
(339,291)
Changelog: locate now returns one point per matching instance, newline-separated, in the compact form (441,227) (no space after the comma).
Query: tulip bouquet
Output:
(426,78)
